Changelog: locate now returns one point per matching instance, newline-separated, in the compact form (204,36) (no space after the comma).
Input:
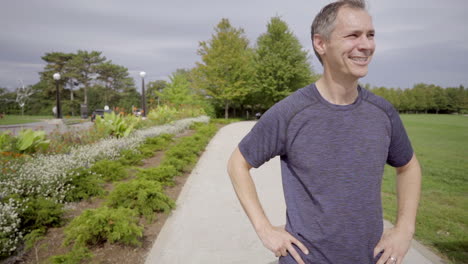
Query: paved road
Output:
(48,126)
(209,225)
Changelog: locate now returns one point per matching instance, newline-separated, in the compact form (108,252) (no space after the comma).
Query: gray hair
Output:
(324,22)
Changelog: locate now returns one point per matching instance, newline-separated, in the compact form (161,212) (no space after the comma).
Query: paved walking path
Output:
(209,227)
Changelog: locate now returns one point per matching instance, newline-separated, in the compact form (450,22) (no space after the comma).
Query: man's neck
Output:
(337,91)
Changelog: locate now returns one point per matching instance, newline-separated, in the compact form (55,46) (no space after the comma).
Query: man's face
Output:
(351,45)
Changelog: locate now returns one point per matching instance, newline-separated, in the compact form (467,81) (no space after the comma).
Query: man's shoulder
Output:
(379,102)
(294,103)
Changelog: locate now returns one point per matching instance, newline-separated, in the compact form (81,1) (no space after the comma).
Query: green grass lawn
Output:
(18,119)
(441,145)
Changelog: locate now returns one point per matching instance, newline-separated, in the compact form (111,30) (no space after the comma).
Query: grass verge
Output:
(440,143)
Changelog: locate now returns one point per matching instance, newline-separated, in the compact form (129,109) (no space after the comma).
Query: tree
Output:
(84,65)
(152,89)
(225,75)
(114,78)
(281,64)
(177,92)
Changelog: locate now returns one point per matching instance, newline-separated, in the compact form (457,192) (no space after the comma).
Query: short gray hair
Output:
(324,22)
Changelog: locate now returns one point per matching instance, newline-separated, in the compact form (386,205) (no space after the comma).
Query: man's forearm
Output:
(408,194)
(244,187)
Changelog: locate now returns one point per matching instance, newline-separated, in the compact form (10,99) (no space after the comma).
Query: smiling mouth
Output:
(359,59)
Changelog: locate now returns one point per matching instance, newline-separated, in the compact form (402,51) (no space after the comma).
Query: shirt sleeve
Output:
(266,139)
(400,151)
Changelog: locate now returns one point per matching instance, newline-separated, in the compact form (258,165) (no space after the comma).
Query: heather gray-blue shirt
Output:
(332,162)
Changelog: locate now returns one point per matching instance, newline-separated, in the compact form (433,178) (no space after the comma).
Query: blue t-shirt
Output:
(332,162)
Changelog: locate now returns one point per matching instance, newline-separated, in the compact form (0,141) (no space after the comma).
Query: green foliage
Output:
(162,114)
(227,69)
(163,174)
(154,144)
(7,141)
(281,65)
(184,154)
(130,157)
(40,212)
(32,238)
(109,170)
(29,141)
(95,226)
(77,255)
(144,196)
(425,98)
(85,184)
(177,92)
(113,124)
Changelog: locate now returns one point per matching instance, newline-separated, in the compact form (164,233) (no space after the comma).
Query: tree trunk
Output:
(226,110)
(85,95)
(71,99)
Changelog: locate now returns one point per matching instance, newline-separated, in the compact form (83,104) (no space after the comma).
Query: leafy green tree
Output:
(152,89)
(226,72)
(281,64)
(177,91)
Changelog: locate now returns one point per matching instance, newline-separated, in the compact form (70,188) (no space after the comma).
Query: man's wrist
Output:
(262,229)
(407,228)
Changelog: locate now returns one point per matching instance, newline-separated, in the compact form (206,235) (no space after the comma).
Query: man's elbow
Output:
(237,162)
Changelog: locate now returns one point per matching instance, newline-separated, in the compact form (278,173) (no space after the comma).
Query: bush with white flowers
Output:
(47,175)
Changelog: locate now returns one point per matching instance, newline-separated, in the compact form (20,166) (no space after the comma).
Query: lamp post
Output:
(143,98)
(57,78)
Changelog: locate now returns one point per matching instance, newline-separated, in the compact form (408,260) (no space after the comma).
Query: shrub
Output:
(162,174)
(10,233)
(84,184)
(78,254)
(39,213)
(29,141)
(114,125)
(110,170)
(154,144)
(95,226)
(130,157)
(7,141)
(162,114)
(144,196)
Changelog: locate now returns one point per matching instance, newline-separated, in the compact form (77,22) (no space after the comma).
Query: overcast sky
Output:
(417,40)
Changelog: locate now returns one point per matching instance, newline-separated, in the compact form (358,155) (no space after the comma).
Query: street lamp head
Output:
(56,76)
(142,74)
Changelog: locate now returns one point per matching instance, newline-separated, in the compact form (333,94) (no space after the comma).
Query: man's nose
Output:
(366,43)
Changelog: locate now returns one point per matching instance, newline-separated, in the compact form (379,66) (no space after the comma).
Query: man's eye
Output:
(353,35)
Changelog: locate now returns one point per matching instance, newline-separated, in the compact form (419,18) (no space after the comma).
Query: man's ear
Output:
(319,44)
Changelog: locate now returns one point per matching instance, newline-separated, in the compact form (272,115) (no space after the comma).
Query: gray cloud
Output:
(417,41)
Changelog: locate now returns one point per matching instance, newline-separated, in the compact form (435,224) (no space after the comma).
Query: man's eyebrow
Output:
(358,31)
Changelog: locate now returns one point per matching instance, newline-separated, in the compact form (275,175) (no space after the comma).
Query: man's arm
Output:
(397,240)
(276,239)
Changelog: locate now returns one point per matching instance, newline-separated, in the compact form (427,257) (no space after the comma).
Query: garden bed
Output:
(107,251)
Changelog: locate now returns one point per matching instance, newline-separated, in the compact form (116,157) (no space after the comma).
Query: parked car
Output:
(99,112)
(138,112)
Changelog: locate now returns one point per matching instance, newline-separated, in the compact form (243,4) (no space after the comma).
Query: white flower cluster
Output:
(10,234)
(47,175)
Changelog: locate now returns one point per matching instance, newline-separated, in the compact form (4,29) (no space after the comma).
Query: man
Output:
(334,139)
